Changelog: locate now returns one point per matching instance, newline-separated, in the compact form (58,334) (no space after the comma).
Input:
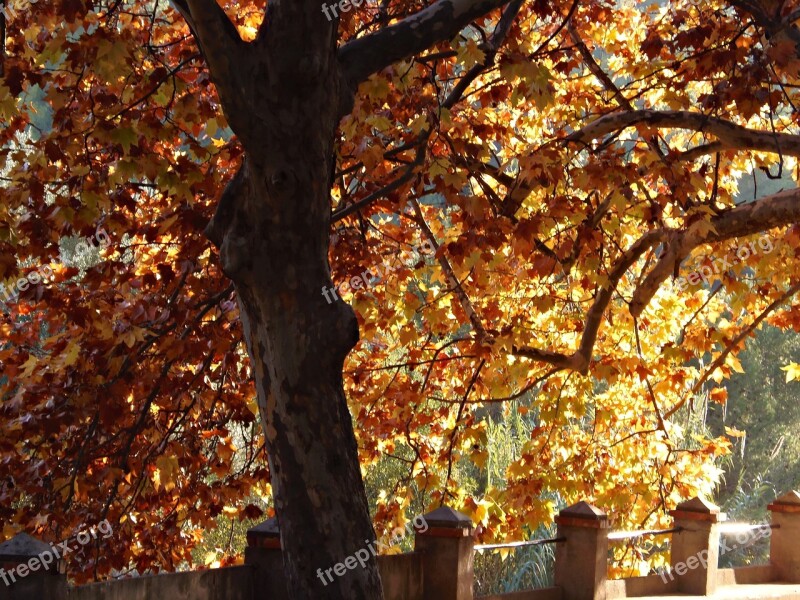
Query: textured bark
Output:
(283,95)
(272,228)
(438,22)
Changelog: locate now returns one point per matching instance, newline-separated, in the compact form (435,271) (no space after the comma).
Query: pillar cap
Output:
(583,510)
(265,535)
(444,516)
(788,503)
(22,547)
(583,514)
(698,509)
(447,522)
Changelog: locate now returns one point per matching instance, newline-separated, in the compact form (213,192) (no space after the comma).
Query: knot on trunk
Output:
(281,182)
(222,229)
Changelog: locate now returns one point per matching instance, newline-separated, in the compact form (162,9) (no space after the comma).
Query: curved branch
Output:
(456,285)
(730,347)
(219,42)
(439,22)
(776,210)
(700,151)
(495,41)
(730,135)
(408,174)
(579,360)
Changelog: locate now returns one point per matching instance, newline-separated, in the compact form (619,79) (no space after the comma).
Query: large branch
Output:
(776,210)
(730,135)
(774,24)
(580,359)
(495,41)
(439,22)
(220,44)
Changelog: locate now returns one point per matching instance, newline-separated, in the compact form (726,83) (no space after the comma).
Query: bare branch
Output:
(579,360)
(608,83)
(720,360)
(408,175)
(439,22)
(699,151)
(595,316)
(776,210)
(455,429)
(496,40)
(730,135)
(219,42)
(455,284)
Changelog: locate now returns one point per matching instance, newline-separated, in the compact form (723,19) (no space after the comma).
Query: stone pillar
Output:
(447,550)
(695,549)
(264,554)
(581,567)
(31,570)
(784,550)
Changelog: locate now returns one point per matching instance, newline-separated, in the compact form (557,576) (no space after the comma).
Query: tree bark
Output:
(283,95)
(272,227)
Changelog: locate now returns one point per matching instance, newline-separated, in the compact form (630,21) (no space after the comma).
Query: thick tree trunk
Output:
(297,343)
(272,228)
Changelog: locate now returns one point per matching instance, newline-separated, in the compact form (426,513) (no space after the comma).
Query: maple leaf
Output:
(166,473)
(792,372)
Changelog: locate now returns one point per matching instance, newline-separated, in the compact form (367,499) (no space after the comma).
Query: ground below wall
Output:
(762,591)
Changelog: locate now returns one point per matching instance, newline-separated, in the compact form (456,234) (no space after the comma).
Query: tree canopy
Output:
(573,166)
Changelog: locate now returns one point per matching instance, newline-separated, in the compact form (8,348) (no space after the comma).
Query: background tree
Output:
(568,161)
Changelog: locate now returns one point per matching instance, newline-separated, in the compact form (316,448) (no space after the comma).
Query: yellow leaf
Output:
(71,355)
(418,124)
(212,127)
(479,458)
(167,471)
(470,55)
(29,366)
(792,372)
(733,432)
(734,363)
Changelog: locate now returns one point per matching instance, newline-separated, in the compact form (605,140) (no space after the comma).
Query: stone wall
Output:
(440,568)
(231,583)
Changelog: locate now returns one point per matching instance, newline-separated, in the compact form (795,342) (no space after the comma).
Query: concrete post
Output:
(264,554)
(784,551)
(581,565)
(31,570)
(446,550)
(695,549)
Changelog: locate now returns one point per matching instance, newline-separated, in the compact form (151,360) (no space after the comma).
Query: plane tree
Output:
(572,164)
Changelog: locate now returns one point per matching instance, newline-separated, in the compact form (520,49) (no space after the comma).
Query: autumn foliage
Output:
(568,160)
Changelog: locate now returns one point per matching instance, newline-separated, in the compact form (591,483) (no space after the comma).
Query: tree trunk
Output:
(272,228)
(297,343)
(283,94)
